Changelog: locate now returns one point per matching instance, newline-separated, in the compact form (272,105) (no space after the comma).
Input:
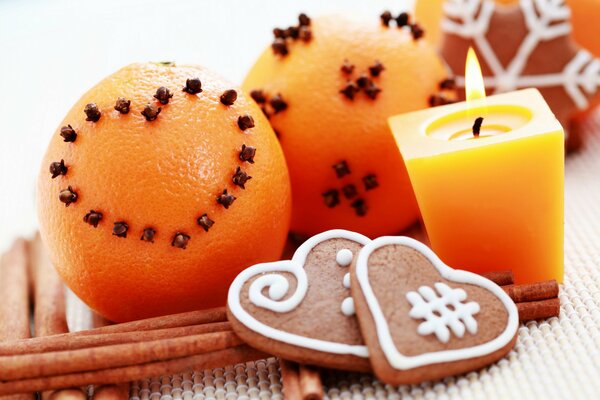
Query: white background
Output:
(51,52)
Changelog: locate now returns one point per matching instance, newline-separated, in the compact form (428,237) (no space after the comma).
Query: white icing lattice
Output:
(444,312)
(545,20)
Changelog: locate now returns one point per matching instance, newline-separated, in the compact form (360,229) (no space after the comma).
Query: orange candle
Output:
(492,199)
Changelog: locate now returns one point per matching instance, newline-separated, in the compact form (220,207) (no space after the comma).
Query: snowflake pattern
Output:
(546,20)
(443,312)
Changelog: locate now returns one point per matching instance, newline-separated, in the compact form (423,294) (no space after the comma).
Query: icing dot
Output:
(344,257)
(348,306)
(346,281)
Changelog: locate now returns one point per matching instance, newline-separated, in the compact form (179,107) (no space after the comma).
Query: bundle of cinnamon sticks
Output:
(534,301)
(56,359)
(122,353)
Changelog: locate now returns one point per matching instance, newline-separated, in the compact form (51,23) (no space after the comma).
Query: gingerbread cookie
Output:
(521,45)
(423,320)
(301,309)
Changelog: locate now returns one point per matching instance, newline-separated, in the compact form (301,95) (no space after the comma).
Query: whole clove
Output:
(67,196)
(68,133)
(193,86)
(148,235)
(280,47)
(386,17)
(151,112)
(180,240)
(372,90)
(245,122)
(205,222)
(258,96)
(163,95)
(331,198)
(92,112)
(349,90)
(122,105)
(240,178)
(370,182)
(228,97)
(58,168)
(376,69)
(341,169)
(417,31)
(402,20)
(278,104)
(120,229)
(347,67)
(247,153)
(349,191)
(304,20)
(93,218)
(360,207)
(225,199)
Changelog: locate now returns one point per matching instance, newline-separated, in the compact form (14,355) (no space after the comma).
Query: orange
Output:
(584,17)
(345,167)
(429,13)
(152,181)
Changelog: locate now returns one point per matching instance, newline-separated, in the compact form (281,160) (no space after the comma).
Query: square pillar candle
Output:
(491,191)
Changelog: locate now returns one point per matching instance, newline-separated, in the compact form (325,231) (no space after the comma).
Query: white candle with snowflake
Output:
(488,175)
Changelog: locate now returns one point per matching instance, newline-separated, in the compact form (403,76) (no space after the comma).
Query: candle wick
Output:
(477,126)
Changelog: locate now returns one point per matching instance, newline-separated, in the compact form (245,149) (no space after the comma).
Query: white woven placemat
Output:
(554,359)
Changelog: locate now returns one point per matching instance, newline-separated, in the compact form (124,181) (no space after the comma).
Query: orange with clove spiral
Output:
(345,167)
(148,229)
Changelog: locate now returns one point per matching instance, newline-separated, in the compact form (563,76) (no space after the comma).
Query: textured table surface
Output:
(554,359)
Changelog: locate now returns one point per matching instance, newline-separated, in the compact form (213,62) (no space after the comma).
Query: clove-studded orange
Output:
(166,204)
(328,98)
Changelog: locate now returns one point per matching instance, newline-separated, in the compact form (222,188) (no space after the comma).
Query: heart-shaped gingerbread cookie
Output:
(423,320)
(301,309)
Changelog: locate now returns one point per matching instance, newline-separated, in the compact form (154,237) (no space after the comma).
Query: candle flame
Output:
(474,86)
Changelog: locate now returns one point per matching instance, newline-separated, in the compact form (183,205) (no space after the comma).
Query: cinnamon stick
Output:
(290,379)
(311,387)
(49,314)
(166,321)
(543,309)
(73,342)
(14,285)
(89,359)
(532,292)
(213,359)
(14,307)
(114,391)
(500,278)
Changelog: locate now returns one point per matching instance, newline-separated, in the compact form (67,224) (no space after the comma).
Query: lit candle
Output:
(488,174)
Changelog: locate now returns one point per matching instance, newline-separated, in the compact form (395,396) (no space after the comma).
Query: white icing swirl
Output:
(279,286)
(271,276)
